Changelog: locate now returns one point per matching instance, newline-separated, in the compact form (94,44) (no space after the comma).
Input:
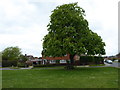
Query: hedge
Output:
(21,64)
(9,63)
(85,60)
(49,65)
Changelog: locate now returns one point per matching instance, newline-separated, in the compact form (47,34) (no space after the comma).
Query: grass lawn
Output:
(102,77)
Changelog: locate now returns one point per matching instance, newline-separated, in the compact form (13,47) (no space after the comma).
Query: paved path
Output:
(114,64)
(12,69)
(7,69)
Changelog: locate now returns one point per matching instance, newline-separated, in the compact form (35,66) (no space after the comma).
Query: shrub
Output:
(9,63)
(118,60)
(85,60)
(20,64)
(99,60)
(46,65)
(50,65)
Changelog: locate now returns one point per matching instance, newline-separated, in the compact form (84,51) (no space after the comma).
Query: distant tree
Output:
(0,56)
(11,53)
(118,57)
(118,54)
(68,33)
(23,58)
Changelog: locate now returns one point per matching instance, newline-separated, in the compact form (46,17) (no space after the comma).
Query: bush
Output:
(47,65)
(118,60)
(9,63)
(21,64)
(50,65)
(85,60)
(99,60)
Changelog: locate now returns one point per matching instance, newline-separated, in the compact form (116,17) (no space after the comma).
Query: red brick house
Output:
(63,59)
(118,56)
(67,57)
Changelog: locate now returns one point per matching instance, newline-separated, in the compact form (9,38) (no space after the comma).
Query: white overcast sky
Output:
(23,23)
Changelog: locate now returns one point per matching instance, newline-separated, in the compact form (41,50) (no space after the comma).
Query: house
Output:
(56,60)
(30,57)
(118,55)
(66,57)
(34,60)
(62,60)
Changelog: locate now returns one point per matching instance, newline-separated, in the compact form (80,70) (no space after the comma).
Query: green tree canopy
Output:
(69,33)
(23,58)
(11,53)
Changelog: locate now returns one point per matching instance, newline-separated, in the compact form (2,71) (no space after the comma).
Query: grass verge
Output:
(100,77)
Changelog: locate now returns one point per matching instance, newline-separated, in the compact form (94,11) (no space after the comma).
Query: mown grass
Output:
(97,65)
(102,77)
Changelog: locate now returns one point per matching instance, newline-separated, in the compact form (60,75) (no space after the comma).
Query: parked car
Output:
(116,60)
(108,61)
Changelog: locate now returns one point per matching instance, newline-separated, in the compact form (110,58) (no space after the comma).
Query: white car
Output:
(116,60)
(109,61)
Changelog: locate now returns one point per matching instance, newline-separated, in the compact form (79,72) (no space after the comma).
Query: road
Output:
(114,64)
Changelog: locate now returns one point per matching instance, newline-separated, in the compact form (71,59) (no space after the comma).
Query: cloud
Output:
(23,22)
(103,19)
(29,40)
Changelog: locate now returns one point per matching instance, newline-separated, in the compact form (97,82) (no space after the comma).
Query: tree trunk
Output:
(72,59)
(70,65)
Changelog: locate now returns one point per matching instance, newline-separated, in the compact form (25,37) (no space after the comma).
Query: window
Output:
(63,61)
(52,61)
